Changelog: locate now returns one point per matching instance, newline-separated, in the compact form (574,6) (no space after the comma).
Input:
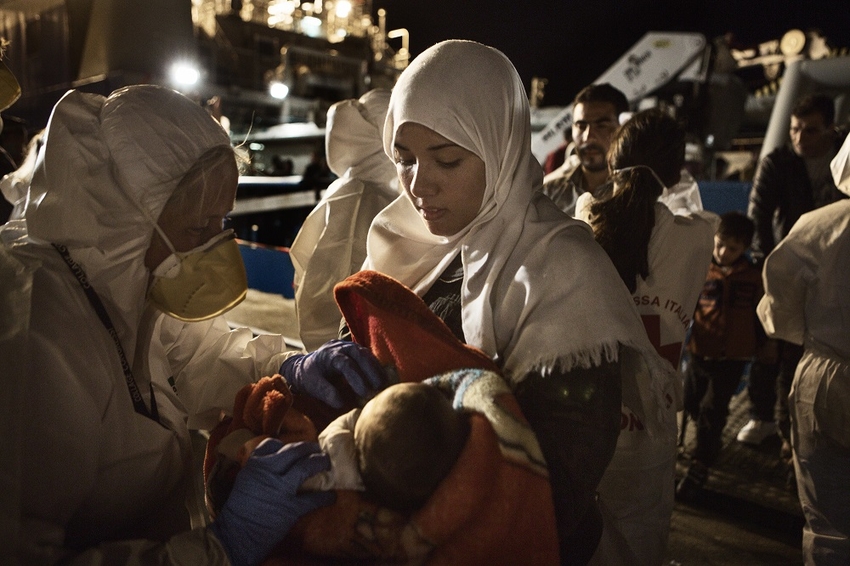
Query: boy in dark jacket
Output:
(724,338)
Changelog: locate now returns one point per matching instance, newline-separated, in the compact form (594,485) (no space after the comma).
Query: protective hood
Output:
(110,164)
(840,167)
(102,178)
(353,146)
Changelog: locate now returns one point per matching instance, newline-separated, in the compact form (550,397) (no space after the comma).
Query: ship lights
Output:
(184,74)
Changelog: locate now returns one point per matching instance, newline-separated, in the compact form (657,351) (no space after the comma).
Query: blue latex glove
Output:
(265,502)
(309,373)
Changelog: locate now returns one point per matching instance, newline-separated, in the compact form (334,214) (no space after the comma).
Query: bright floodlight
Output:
(311,26)
(184,74)
(343,8)
(278,90)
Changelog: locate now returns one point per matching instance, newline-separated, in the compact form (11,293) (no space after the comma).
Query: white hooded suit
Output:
(81,465)
(807,301)
(331,245)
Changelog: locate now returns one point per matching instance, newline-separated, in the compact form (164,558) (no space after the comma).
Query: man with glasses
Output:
(596,112)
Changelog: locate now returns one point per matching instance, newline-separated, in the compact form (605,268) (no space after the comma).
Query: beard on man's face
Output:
(592,157)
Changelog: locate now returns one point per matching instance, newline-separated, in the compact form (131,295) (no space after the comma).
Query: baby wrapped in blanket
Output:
(486,497)
(397,449)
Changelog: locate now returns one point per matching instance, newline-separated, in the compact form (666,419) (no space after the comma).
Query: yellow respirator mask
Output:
(10,90)
(201,283)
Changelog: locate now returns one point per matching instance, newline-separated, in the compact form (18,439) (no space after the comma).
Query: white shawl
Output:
(538,292)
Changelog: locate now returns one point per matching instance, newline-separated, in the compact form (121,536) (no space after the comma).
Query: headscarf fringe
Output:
(563,363)
(655,377)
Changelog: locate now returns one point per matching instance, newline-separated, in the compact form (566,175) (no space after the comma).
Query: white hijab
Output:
(538,292)
(472,95)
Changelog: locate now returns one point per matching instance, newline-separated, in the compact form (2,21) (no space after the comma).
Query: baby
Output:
(388,460)
(398,448)
(408,438)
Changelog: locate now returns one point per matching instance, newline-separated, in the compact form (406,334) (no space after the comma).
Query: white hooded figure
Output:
(331,245)
(100,388)
(807,301)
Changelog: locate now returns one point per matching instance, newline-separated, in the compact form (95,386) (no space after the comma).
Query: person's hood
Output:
(354,146)
(107,167)
(840,167)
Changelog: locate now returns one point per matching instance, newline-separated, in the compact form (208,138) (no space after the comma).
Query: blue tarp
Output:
(723,196)
(269,269)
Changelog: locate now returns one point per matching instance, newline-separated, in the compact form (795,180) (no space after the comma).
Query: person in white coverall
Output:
(112,346)
(807,302)
(331,244)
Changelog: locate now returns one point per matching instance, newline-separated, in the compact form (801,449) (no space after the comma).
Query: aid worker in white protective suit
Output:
(807,301)
(121,224)
(331,244)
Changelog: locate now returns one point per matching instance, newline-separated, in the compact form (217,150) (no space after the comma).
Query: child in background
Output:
(724,338)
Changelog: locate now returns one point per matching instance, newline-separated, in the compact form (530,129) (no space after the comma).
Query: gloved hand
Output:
(265,503)
(310,373)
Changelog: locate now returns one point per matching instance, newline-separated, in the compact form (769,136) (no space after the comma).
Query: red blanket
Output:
(495,505)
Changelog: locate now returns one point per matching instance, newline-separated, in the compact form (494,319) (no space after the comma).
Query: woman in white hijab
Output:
(510,273)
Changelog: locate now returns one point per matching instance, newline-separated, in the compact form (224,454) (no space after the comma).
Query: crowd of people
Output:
(577,293)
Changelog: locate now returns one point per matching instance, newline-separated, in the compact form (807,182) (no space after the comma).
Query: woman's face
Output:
(444,181)
(198,215)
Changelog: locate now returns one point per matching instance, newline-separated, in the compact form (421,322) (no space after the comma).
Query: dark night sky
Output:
(572,42)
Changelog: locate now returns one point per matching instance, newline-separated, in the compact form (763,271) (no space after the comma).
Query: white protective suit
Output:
(807,301)
(80,465)
(636,491)
(331,244)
